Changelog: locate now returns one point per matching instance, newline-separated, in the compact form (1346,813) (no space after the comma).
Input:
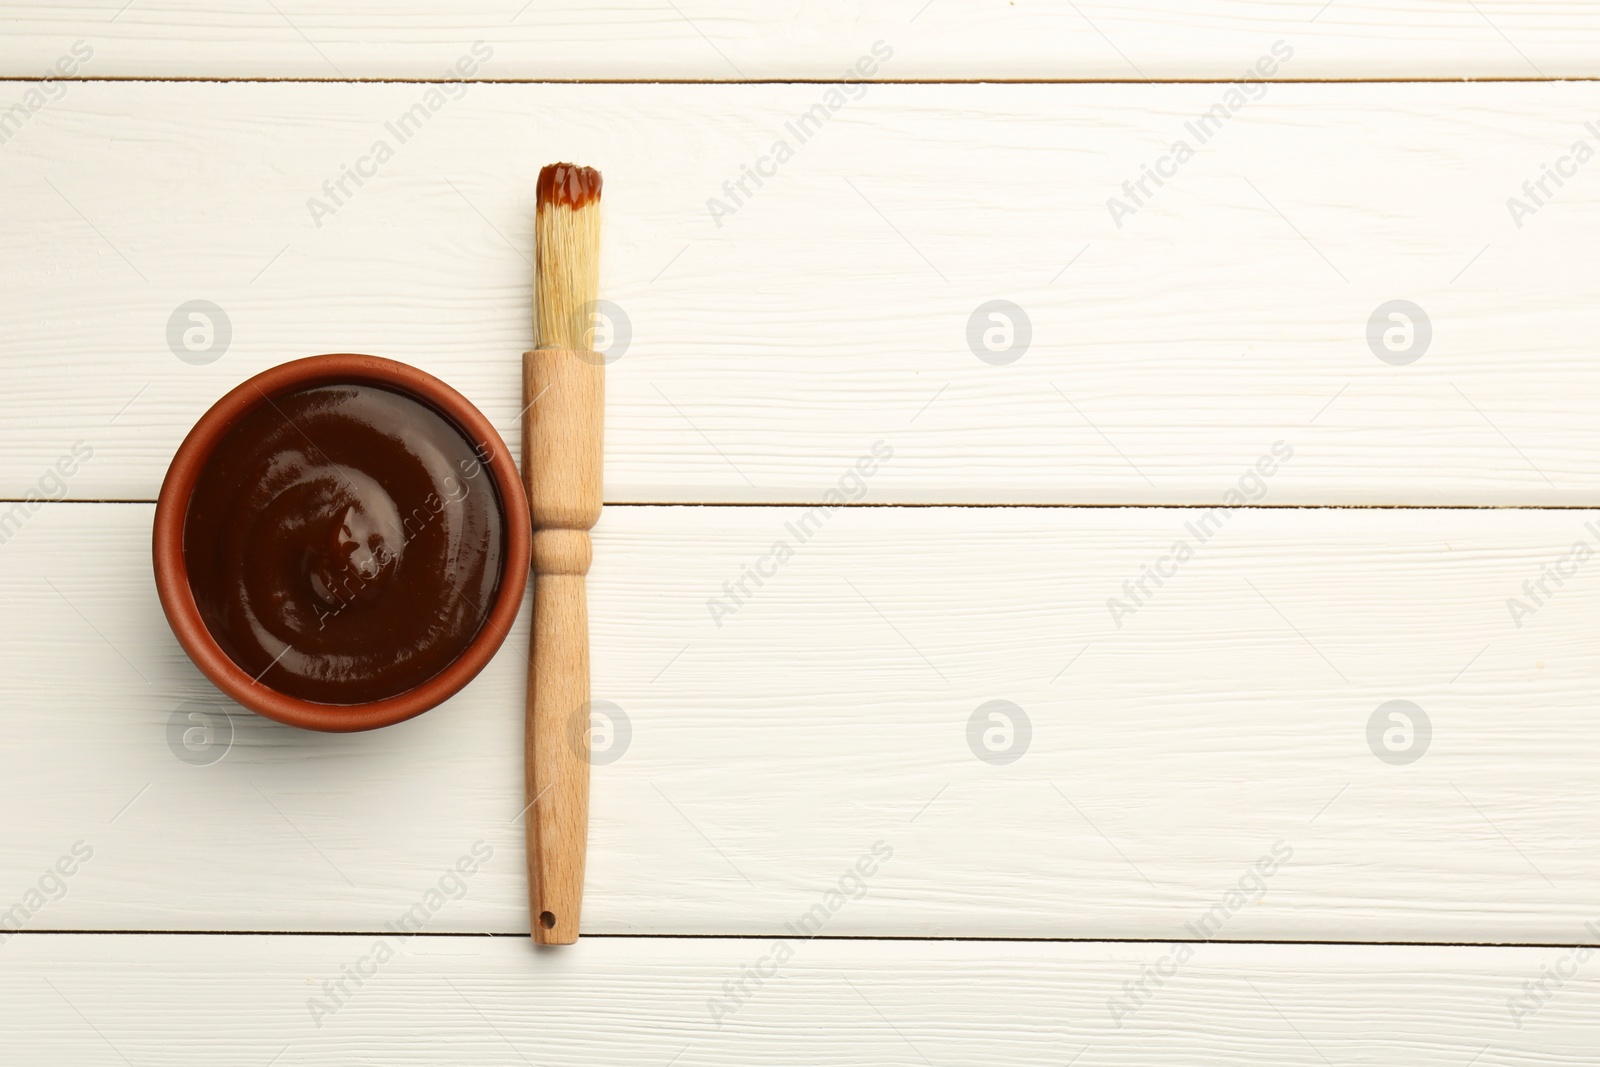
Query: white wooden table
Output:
(1196,509)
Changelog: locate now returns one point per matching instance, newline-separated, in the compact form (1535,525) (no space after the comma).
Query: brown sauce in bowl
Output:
(343,543)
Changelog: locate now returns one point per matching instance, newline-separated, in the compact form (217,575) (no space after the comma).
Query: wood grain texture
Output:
(810,713)
(751,765)
(459,1000)
(831,310)
(564,396)
(723,39)
(555,754)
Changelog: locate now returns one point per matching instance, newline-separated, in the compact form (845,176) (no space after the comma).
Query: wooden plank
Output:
(846,702)
(203,1000)
(722,39)
(831,310)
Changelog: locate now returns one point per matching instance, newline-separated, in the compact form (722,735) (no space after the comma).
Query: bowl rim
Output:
(172,506)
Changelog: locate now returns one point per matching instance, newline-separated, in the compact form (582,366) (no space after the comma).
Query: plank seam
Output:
(1015,505)
(815,937)
(113,79)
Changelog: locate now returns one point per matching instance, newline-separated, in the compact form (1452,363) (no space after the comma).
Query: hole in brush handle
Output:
(547,919)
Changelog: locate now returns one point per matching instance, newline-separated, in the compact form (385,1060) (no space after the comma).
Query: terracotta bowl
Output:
(172,579)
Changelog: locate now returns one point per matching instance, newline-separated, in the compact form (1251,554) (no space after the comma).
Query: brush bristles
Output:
(567,268)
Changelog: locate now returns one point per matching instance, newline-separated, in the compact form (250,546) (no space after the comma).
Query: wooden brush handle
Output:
(561,451)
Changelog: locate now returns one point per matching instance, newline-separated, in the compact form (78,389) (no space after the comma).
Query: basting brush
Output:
(563,390)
